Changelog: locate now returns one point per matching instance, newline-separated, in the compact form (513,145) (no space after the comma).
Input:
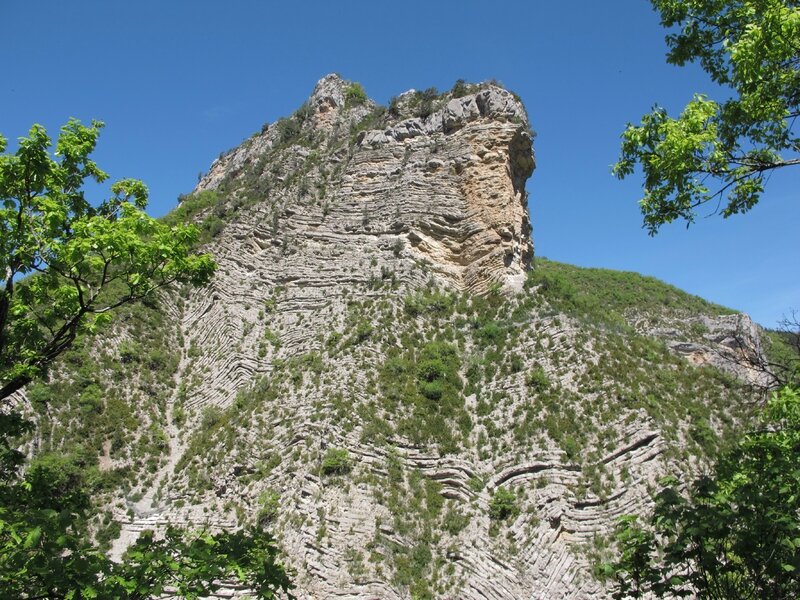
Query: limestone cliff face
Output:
(449,187)
(362,253)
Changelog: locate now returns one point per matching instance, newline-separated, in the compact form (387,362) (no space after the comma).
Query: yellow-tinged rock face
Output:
(449,186)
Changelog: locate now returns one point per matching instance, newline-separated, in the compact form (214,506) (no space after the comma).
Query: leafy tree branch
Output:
(734,533)
(720,152)
(67,263)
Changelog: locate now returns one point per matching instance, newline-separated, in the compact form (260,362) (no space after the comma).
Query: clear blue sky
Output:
(179,81)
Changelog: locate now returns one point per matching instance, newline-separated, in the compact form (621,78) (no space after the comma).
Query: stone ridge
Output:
(450,186)
(339,234)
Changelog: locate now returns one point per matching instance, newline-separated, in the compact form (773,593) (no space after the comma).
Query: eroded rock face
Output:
(450,187)
(331,230)
(730,343)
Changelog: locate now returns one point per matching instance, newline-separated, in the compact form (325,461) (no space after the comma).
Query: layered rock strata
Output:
(349,238)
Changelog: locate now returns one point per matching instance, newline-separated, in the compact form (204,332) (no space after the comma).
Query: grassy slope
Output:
(605,294)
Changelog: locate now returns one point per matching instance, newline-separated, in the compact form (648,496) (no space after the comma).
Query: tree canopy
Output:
(737,534)
(66,265)
(720,152)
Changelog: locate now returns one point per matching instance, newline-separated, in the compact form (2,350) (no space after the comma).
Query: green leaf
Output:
(33,538)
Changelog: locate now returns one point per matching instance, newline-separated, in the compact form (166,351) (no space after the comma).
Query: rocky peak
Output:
(440,175)
(329,89)
(328,99)
(328,93)
(331,387)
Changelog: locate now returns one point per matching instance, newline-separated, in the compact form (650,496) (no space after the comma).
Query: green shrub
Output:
(288,130)
(212,416)
(213,226)
(503,505)
(354,95)
(129,352)
(491,333)
(268,502)
(537,380)
(460,88)
(432,390)
(437,370)
(430,302)
(455,522)
(191,205)
(336,462)
(424,100)
(475,483)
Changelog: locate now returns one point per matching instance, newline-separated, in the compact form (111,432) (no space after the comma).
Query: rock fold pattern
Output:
(344,235)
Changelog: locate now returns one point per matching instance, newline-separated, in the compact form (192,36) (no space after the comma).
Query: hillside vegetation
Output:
(377,377)
(484,382)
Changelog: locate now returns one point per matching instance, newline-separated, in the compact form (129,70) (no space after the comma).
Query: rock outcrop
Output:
(370,299)
(450,186)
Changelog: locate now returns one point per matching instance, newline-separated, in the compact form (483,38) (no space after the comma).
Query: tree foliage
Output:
(737,534)
(45,552)
(66,263)
(720,151)
(503,505)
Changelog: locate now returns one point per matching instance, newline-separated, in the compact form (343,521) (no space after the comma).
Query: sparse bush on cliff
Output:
(503,505)
(354,95)
(336,462)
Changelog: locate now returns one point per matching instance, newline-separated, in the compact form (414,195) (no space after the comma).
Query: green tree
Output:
(66,264)
(737,532)
(45,554)
(720,151)
(503,505)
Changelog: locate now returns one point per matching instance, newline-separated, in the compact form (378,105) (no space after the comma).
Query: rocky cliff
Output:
(449,187)
(375,375)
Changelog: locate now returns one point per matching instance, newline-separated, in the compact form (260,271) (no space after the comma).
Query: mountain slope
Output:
(378,377)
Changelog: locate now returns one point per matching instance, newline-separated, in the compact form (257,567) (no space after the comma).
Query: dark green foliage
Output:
(460,89)
(437,370)
(490,333)
(503,505)
(268,505)
(410,564)
(394,107)
(291,130)
(424,102)
(362,332)
(213,225)
(429,302)
(336,462)
(737,534)
(288,130)
(537,380)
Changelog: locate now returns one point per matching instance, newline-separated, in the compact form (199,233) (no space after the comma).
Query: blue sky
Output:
(179,82)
